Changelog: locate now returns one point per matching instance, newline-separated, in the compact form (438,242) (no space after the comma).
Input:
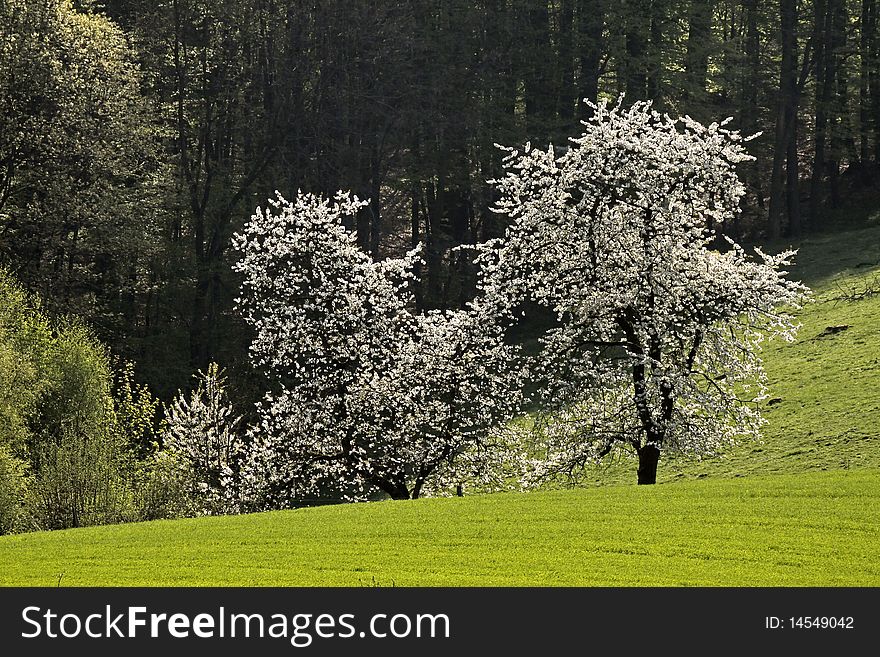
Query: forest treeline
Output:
(137,136)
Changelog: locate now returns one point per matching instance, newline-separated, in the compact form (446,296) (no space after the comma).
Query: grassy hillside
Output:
(814,529)
(800,508)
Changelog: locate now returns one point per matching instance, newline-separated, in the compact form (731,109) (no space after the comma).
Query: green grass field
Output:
(815,529)
(800,509)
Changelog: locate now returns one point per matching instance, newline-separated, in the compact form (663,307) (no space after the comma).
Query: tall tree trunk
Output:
(865,54)
(591,22)
(497,113)
(874,76)
(839,114)
(433,216)
(698,44)
(821,46)
(786,109)
(568,90)
(635,75)
(654,59)
(540,66)
(198,354)
(750,85)
(792,186)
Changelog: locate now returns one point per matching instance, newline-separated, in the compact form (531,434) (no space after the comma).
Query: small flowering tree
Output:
(367,396)
(657,336)
(200,434)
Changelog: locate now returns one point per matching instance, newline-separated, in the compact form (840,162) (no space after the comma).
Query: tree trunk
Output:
(540,66)
(591,21)
(654,60)
(874,76)
(821,47)
(793,201)
(649,456)
(786,109)
(395,489)
(865,53)
(777,183)
(399,492)
(433,216)
(697,57)
(638,15)
(750,86)
(568,91)
(841,133)
(871,48)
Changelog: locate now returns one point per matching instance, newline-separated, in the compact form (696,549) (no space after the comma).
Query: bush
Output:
(80,458)
(202,447)
(135,413)
(166,488)
(80,483)
(25,370)
(13,492)
(57,418)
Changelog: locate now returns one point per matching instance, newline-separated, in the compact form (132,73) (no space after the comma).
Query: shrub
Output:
(57,418)
(201,444)
(80,459)
(13,492)
(25,370)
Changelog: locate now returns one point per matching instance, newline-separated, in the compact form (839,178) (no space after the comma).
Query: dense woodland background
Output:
(136,136)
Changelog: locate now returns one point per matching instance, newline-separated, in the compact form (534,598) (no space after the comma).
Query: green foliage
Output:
(78,448)
(191,472)
(25,363)
(167,488)
(815,529)
(13,491)
(135,411)
(78,455)
(57,417)
(76,154)
(80,481)
(77,401)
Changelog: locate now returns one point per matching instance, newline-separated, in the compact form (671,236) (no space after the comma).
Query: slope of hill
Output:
(799,508)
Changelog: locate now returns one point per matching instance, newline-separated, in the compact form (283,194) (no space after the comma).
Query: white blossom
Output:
(200,433)
(658,331)
(367,396)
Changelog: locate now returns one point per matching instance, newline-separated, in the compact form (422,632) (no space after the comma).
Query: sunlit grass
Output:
(809,529)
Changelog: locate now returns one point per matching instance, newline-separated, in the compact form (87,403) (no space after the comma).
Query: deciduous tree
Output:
(656,346)
(366,395)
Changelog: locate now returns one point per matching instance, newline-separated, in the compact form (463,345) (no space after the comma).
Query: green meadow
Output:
(800,508)
(815,529)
